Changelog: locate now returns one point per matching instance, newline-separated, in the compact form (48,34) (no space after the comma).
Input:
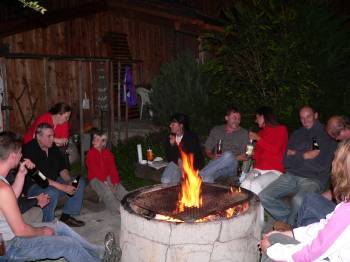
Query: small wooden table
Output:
(146,172)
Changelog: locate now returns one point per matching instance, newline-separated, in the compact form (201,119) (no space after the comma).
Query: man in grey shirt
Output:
(234,141)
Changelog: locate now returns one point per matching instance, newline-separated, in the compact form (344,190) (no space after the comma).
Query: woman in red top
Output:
(103,173)
(58,117)
(271,144)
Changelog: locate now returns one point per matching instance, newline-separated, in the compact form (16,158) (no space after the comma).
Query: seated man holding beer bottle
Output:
(234,140)
(306,169)
(50,162)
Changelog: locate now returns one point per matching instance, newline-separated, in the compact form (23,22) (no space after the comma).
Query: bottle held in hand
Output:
(219,147)
(249,149)
(38,177)
(315,145)
(75,183)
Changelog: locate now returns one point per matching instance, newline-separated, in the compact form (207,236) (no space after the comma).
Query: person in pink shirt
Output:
(103,173)
(326,240)
(57,117)
(271,144)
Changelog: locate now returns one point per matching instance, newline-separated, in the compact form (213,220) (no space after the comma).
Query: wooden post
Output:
(126,111)
(5,95)
(111,81)
(119,113)
(81,114)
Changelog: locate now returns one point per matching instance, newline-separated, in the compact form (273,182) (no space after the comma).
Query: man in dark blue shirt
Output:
(307,169)
(49,160)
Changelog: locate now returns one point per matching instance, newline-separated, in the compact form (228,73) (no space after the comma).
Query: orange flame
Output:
(190,195)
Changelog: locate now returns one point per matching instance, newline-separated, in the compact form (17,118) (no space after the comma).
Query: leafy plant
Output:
(282,53)
(182,86)
(126,157)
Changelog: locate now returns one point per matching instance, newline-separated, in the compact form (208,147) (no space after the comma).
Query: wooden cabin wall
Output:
(154,44)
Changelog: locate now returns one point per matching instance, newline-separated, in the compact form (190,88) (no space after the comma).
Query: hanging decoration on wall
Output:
(129,89)
(33,5)
(102,91)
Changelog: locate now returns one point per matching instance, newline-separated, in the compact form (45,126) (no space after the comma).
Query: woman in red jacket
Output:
(271,144)
(103,173)
(57,117)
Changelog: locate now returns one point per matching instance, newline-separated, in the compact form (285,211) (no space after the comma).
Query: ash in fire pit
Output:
(216,200)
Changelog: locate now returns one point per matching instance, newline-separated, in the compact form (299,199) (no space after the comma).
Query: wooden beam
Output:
(68,58)
(163,12)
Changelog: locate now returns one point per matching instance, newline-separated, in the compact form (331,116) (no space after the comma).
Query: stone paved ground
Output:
(99,221)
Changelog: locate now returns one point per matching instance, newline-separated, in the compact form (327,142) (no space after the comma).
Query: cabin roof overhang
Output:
(180,18)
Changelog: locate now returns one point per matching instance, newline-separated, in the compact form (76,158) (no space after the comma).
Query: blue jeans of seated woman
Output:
(65,243)
(314,208)
(72,205)
(225,165)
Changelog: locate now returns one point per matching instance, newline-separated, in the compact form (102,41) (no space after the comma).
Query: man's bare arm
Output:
(17,186)
(12,214)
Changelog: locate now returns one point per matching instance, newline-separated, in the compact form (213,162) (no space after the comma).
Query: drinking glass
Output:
(149,155)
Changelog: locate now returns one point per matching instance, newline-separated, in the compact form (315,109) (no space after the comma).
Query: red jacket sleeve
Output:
(275,141)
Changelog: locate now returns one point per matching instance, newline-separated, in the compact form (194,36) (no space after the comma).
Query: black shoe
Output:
(111,251)
(71,221)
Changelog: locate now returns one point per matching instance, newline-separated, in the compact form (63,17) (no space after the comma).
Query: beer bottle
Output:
(75,183)
(315,145)
(249,149)
(219,147)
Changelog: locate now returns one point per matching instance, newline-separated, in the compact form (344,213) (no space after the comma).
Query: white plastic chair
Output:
(145,100)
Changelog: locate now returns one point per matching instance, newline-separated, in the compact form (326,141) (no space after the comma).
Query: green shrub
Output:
(181,86)
(126,157)
(284,54)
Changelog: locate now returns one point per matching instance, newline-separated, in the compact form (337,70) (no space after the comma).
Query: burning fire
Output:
(190,195)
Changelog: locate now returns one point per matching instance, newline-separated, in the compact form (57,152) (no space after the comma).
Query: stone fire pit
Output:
(152,240)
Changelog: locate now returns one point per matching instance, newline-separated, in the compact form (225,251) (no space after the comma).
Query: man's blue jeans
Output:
(313,209)
(272,197)
(225,165)
(65,243)
(72,205)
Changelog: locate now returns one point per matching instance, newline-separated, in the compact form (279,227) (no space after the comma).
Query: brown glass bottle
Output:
(75,183)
